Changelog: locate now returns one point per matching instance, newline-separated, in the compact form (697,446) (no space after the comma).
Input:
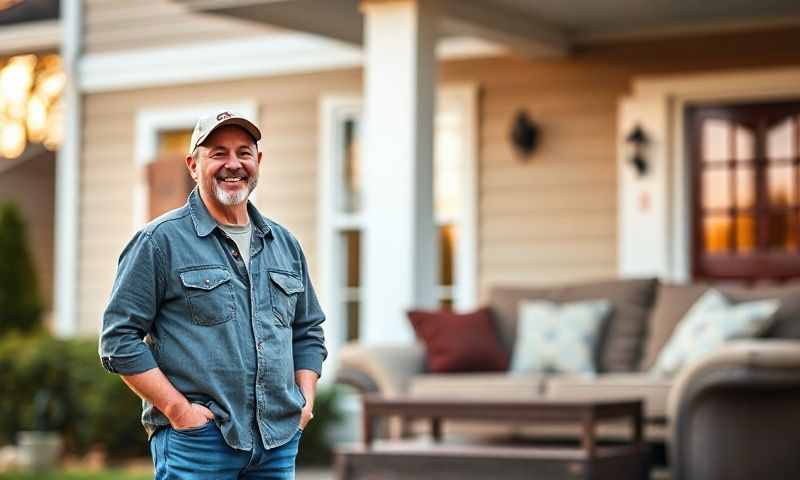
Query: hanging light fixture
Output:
(30,110)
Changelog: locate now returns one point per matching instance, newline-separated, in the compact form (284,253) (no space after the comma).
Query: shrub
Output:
(20,303)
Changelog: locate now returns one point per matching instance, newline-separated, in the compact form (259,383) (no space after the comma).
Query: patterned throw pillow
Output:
(553,338)
(712,321)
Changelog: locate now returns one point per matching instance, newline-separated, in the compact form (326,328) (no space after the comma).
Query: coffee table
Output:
(404,459)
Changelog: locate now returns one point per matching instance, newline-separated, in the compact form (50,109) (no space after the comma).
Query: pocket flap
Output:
(288,283)
(206,278)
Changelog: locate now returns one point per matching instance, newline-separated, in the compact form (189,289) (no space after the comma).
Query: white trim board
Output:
(264,55)
(658,105)
(149,122)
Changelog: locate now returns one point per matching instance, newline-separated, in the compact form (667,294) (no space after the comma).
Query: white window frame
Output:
(334,110)
(151,122)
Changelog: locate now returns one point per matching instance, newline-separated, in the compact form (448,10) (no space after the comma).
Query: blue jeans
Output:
(202,454)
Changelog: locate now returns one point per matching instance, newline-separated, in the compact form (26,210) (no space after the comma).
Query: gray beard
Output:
(231,199)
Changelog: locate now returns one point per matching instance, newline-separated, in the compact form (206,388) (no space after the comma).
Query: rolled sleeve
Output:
(308,339)
(132,307)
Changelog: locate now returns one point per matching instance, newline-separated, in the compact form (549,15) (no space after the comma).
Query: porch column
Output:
(400,249)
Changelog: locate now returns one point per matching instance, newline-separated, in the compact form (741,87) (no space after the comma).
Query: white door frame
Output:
(150,122)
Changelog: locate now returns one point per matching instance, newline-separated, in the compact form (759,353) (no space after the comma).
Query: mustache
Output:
(232,173)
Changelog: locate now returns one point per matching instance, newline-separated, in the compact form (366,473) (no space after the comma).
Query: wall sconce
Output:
(524,135)
(638,140)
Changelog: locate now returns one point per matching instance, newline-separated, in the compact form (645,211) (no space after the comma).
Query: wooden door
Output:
(745,164)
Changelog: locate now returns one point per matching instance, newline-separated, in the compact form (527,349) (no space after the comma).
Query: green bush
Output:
(86,404)
(20,303)
(90,406)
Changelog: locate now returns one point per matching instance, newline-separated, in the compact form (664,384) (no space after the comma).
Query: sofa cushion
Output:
(553,338)
(622,340)
(484,386)
(459,342)
(673,301)
(713,320)
(652,389)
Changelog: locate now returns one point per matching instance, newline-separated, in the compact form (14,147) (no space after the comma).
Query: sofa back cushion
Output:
(621,341)
(674,301)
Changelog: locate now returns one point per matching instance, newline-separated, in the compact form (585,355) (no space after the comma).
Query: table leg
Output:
(638,428)
(366,427)
(588,441)
(436,429)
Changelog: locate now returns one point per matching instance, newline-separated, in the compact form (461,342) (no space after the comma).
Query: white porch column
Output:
(65,291)
(400,249)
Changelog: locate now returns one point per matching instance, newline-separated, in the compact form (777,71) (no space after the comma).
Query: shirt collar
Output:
(204,223)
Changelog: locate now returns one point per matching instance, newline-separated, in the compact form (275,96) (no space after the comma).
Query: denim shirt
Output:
(226,336)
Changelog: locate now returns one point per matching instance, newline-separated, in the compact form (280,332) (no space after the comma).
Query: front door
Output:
(745,162)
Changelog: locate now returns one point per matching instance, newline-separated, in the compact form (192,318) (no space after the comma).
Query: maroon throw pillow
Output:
(459,342)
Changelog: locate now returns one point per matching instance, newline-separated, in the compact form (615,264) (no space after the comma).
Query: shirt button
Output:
(208,281)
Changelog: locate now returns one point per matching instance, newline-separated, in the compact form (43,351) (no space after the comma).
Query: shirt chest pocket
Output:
(284,289)
(209,295)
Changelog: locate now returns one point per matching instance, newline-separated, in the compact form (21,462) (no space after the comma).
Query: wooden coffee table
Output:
(408,459)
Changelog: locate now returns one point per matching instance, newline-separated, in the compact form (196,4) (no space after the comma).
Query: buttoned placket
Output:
(255,249)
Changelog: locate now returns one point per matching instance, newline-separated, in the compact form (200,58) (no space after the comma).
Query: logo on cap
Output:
(223,116)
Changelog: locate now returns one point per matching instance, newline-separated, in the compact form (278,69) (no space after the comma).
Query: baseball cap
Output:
(208,123)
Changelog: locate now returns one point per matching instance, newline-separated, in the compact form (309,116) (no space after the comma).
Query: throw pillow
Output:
(712,321)
(558,338)
(459,342)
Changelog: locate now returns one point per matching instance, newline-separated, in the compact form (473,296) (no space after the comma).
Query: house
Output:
(387,142)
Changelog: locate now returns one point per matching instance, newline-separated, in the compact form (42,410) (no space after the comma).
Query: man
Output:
(214,323)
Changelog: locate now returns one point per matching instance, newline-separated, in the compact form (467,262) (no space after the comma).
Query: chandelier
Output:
(30,106)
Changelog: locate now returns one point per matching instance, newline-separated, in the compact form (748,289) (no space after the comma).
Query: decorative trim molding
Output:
(30,37)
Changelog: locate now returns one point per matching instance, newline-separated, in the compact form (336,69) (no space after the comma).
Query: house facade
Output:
(388,152)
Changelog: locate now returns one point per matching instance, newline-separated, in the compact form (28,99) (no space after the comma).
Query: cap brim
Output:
(239,122)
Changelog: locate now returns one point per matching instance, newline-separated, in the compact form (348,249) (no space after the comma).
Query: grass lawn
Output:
(74,475)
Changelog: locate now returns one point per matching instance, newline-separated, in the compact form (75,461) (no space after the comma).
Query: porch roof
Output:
(530,28)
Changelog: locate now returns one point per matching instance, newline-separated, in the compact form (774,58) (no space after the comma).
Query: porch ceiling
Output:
(529,27)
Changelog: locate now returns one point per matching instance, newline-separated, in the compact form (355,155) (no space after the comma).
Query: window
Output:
(746,162)
(342,206)
(168,179)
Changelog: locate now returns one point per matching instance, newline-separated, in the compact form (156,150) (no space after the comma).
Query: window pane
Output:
(745,232)
(782,230)
(447,246)
(745,144)
(716,140)
(716,188)
(448,166)
(351,314)
(781,140)
(350,180)
(717,233)
(174,142)
(745,186)
(781,186)
(352,239)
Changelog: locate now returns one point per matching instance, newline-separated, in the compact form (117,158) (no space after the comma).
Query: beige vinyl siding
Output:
(288,109)
(113,25)
(551,219)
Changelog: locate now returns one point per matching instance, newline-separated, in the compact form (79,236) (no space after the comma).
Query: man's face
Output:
(225,165)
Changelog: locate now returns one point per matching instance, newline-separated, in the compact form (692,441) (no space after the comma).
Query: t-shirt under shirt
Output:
(241,235)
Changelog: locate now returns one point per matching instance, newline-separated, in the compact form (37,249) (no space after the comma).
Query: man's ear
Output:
(259,159)
(191,164)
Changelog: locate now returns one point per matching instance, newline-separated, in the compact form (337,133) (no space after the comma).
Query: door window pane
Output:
(745,144)
(448,166)
(716,140)
(717,233)
(350,240)
(781,140)
(782,229)
(781,184)
(745,232)
(745,186)
(716,188)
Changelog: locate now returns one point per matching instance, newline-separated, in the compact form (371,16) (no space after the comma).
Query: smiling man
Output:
(214,323)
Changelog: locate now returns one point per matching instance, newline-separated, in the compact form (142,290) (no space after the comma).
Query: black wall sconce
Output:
(638,140)
(524,135)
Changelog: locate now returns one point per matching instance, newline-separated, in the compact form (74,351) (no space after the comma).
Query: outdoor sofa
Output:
(698,407)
